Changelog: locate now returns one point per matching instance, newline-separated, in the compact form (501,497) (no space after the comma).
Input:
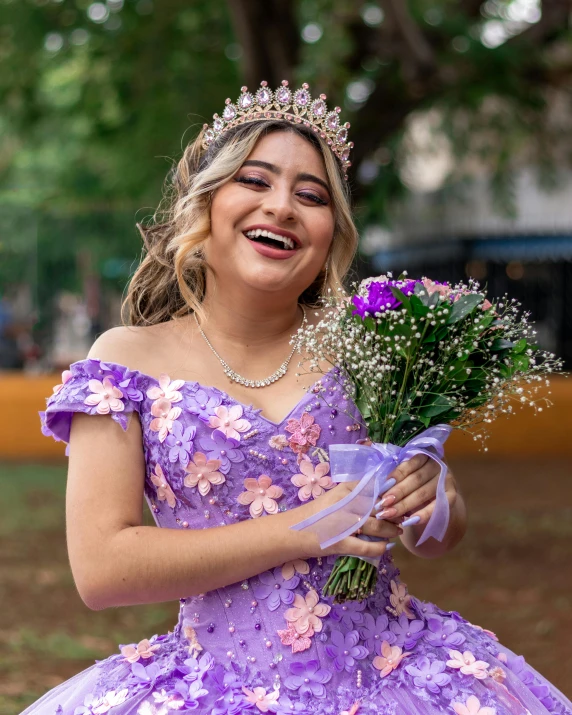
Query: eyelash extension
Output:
(258,182)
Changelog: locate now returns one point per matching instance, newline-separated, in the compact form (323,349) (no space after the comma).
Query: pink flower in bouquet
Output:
(261,698)
(203,473)
(164,416)
(143,649)
(166,390)
(230,421)
(106,396)
(261,495)
(299,641)
(467,664)
(313,480)
(164,491)
(291,567)
(472,707)
(304,432)
(400,599)
(307,612)
(390,658)
(436,287)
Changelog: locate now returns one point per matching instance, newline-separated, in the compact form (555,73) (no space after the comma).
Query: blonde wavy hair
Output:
(171,278)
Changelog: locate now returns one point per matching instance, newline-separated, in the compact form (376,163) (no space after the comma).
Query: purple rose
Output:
(344,649)
(180,441)
(443,633)
(407,632)
(219,446)
(376,630)
(308,678)
(202,404)
(274,587)
(429,674)
(348,614)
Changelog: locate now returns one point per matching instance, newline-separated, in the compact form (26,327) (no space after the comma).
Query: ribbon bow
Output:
(371,466)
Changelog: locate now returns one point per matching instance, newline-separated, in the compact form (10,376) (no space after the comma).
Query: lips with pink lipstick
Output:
(272,241)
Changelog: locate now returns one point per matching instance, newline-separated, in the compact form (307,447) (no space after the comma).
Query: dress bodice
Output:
(211,461)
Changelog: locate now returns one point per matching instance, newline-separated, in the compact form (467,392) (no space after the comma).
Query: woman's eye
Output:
(314,197)
(250,180)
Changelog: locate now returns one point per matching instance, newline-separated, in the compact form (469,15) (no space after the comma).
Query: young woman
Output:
(257,228)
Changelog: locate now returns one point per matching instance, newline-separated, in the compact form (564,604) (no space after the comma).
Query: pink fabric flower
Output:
(261,698)
(203,473)
(467,664)
(472,707)
(143,649)
(109,700)
(490,634)
(353,709)
(312,480)
(307,612)
(497,674)
(260,494)
(291,567)
(298,641)
(164,416)
(105,395)
(391,656)
(66,377)
(304,432)
(229,421)
(278,441)
(166,390)
(164,491)
(400,599)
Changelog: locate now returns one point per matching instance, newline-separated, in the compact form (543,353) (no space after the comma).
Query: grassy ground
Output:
(511,574)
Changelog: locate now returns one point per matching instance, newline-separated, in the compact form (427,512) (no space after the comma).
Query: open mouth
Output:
(268,238)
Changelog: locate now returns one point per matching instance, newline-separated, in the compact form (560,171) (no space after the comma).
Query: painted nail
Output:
(390,545)
(388,484)
(386,501)
(386,513)
(409,522)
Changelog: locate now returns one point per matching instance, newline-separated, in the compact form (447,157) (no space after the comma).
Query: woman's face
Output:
(272,224)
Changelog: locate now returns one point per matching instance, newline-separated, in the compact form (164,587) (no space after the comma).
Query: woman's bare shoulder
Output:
(129,345)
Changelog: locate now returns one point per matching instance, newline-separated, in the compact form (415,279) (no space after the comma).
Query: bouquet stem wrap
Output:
(371,466)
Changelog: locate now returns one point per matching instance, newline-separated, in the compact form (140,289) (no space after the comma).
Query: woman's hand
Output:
(412,498)
(350,545)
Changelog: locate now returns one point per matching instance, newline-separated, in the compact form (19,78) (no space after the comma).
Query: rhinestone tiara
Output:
(296,107)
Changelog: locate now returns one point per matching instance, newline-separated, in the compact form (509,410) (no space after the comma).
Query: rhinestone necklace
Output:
(235,377)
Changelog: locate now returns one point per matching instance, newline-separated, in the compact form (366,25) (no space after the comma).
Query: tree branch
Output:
(419,49)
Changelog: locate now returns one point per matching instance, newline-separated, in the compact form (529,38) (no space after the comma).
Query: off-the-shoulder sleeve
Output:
(95,388)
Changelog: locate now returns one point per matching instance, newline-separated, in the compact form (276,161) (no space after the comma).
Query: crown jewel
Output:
(287,105)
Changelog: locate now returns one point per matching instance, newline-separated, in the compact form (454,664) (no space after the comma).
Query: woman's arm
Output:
(116,561)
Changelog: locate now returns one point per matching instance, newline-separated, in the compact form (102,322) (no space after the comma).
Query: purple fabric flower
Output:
(128,387)
(97,370)
(274,587)
(195,668)
(308,678)
(518,665)
(219,446)
(443,633)
(407,632)
(542,692)
(228,684)
(422,608)
(285,706)
(146,673)
(429,674)
(180,441)
(191,693)
(344,649)
(376,630)
(202,404)
(348,614)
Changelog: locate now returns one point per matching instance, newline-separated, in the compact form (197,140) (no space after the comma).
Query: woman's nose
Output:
(280,205)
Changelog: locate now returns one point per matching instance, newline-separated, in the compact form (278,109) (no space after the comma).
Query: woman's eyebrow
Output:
(276,170)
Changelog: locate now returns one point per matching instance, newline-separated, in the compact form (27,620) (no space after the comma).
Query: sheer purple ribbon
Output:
(371,466)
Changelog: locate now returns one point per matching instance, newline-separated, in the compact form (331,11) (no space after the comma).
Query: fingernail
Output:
(390,545)
(387,486)
(409,522)
(386,513)
(386,501)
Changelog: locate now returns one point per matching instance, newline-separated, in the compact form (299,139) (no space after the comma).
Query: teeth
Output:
(262,233)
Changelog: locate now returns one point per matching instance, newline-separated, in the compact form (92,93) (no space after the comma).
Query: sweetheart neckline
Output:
(222,393)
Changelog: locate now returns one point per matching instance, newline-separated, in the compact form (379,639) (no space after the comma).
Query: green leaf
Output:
(465,305)
(402,297)
(520,346)
(440,404)
(419,310)
(520,362)
(501,344)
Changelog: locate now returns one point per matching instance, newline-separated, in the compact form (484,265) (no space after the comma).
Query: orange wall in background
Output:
(22,396)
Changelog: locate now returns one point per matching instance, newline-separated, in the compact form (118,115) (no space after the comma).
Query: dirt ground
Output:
(511,574)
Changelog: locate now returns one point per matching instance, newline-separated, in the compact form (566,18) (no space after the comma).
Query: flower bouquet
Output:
(418,358)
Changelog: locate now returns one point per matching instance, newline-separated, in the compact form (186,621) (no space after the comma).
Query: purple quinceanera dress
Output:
(273,643)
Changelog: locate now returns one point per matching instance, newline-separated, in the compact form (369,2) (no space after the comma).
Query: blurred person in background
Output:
(258,229)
